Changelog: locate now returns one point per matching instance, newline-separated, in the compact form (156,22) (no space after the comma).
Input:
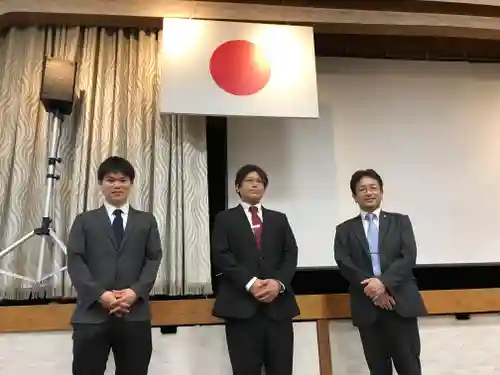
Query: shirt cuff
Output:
(282,287)
(250,283)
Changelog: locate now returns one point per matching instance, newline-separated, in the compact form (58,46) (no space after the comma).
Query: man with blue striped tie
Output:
(376,252)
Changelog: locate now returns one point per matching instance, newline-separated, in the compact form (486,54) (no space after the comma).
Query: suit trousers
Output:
(130,342)
(260,341)
(392,339)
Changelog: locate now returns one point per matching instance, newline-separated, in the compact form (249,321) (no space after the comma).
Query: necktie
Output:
(118,226)
(256,224)
(372,237)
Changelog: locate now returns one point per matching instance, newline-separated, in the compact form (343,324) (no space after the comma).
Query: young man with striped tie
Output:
(255,252)
(376,252)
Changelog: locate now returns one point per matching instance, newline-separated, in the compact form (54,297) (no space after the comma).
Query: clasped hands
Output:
(118,302)
(376,291)
(265,291)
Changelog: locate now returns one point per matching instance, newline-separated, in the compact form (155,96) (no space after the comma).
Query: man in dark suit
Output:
(376,252)
(113,257)
(255,252)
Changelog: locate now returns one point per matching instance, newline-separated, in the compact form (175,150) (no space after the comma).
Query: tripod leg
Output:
(58,242)
(17,276)
(16,244)
(52,274)
(11,248)
(41,256)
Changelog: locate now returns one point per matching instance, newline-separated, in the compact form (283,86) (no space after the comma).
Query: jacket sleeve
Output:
(352,273)
(152,262)
(401,270)
(287,269)
(89,291)
(223,257)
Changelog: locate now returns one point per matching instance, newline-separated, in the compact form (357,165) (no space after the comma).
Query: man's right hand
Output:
(385,301)
(110,302)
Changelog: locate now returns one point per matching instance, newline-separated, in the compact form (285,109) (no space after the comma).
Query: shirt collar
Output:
(376,213)
(110,208)
(246,207)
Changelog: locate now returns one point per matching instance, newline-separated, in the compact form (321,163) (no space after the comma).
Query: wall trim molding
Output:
(187,312)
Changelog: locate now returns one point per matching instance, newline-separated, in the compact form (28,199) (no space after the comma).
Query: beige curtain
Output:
(115,113)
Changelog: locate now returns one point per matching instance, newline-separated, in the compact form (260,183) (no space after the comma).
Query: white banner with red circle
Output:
(238,69)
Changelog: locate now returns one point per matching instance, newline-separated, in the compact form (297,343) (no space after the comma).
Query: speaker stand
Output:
(45,230)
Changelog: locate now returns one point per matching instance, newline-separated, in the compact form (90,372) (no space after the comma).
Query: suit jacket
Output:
(398,253)
(96,263)
(236,256)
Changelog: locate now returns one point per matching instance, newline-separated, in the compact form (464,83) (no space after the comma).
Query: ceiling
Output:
(414,6)
(407,47)
(380,41)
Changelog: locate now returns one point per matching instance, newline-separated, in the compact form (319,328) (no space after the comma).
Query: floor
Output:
(449,347)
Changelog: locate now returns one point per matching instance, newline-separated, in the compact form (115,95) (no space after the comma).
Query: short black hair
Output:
(116,164)
(249,168)
(358,175)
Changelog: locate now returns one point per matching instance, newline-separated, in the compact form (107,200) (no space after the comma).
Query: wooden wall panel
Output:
(56,317)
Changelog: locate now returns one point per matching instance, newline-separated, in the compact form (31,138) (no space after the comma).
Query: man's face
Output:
(252,188)
(116,188)
(368,194)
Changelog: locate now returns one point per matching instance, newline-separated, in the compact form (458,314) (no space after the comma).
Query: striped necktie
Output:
(256,224)
(372,236)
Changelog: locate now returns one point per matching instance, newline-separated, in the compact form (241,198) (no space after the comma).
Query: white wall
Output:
(431,129)
(449,347)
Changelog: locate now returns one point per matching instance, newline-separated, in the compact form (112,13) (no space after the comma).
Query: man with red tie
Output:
(255,252)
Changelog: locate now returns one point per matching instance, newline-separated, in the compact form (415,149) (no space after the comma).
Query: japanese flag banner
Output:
(238,69)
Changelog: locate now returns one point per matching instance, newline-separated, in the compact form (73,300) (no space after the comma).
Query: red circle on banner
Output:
(239,67)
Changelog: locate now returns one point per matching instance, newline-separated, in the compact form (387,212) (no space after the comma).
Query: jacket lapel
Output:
(266,224)
(383,227)
(245,224)
(106,224)
(359,231)
(129,228)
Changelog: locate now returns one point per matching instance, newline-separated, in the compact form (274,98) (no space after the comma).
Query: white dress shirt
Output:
(246,208)
(110,209)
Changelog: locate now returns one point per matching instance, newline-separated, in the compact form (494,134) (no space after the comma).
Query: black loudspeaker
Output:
(58,85)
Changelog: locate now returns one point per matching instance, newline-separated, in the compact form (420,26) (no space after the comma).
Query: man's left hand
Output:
(269,292)
(125,299)
(373,287)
